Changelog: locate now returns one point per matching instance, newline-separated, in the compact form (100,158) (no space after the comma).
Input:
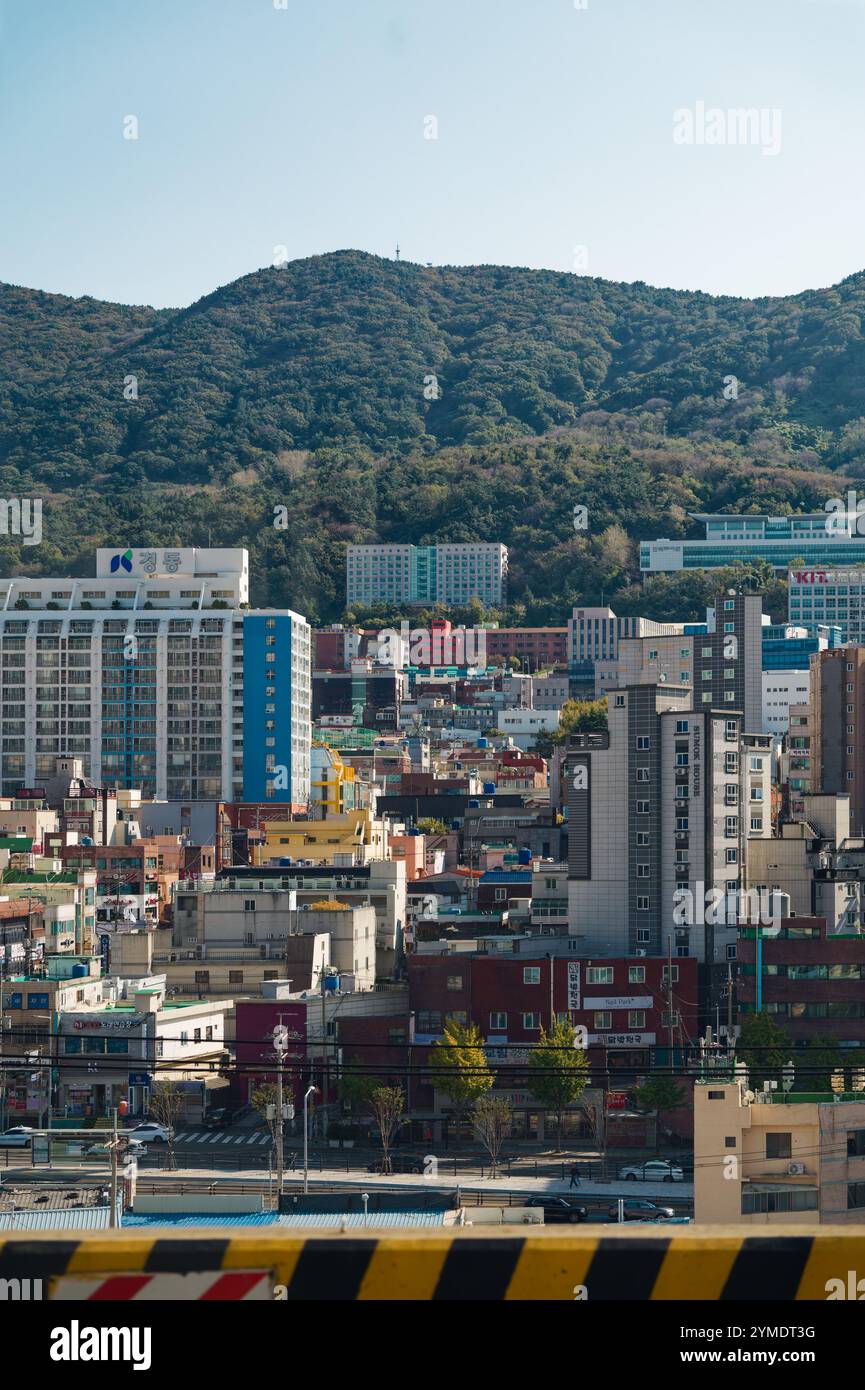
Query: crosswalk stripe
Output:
(184,1134)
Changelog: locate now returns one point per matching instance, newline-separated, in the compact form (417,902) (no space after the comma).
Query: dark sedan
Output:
(637,1210)
(558,1208)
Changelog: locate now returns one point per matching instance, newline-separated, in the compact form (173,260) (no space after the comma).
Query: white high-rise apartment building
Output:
(423,574)
(158,676)
(665,801)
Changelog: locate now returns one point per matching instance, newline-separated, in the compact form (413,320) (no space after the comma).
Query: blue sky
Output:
(303,128)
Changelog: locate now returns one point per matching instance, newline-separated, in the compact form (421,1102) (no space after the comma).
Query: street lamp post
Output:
(309,1092)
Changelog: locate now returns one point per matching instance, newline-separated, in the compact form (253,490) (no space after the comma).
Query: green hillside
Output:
(310,386)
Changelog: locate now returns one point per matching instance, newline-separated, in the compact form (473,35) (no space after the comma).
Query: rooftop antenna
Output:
(397,252)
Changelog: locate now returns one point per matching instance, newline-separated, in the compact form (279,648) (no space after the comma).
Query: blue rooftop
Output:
(506,876)
(198,1218)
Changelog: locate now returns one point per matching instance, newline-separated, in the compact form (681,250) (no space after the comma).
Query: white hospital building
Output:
(158,676)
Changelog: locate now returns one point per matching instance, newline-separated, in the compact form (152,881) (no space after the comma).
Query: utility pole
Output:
(280,1043)
(2,1069)
(112,1219)
(670,991)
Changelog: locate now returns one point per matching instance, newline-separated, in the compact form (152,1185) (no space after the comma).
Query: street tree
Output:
(659,1094)
(492,1117)
(558,1071)
(764,1048)
(387,1104)
(459,1066)
(166,1104)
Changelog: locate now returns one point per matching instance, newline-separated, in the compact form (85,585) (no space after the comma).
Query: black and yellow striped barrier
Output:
(714,1264)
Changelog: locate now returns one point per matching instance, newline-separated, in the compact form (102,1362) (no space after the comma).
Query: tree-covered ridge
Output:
(304,386)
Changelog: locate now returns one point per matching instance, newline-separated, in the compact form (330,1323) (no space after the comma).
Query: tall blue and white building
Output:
(158,675)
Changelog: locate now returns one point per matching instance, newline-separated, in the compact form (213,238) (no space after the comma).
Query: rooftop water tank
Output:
(78,971)
(524,856)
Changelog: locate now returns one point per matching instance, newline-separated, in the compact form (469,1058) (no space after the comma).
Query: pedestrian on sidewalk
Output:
(575,1178)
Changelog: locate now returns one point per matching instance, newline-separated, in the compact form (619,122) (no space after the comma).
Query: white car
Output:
(16,1138)
(149,1133)
(655,1170)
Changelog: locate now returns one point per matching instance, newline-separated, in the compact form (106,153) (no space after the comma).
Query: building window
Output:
(531,1021)
(603,1020)
(636,974)
(636,1018)
(599,975)
(235,977)
(455,982)
(779,1200)
(642,903)
(856,1143)
(498,1022)
(779,1145)
(249,905)
(531,975)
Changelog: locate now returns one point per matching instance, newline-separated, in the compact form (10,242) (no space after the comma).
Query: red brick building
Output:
(813,981)
(535,647)
(623,1005)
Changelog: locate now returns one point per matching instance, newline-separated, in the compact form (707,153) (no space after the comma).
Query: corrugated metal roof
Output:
(56,1219)
(507,876)
(196,1218)
(356,1219)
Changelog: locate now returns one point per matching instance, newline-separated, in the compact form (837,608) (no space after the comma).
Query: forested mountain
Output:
(312,386)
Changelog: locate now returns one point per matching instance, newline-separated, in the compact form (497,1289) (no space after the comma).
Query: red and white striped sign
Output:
(217,1286)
